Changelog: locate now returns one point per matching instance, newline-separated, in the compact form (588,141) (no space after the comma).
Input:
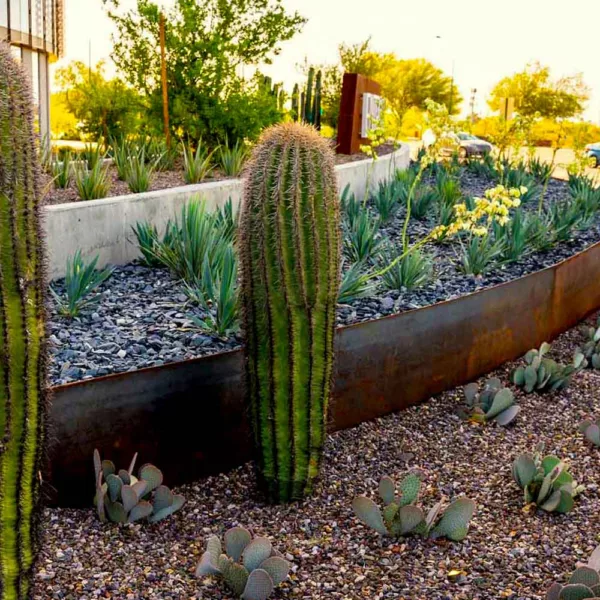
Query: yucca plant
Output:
(23,396)
(289,245)
(227,220)
(479,253)
(138,172)
(92,184)
(81,279)
(412,271)
(422,202)
(121,149)
(93,154)
(513,237)
(162,156)
(61,171)
(232,158)
(356,283)
(217,293)
(540,169)
(197,165)
(351,206)
(385,200)
(563,218)
(149,242)
(362,239)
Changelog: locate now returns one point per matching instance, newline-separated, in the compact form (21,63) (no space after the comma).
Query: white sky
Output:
(484,39)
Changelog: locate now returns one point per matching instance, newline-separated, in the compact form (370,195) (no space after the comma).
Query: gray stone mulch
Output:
(510,552)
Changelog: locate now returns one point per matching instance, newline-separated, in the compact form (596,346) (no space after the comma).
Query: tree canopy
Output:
(536,93)
(208,44)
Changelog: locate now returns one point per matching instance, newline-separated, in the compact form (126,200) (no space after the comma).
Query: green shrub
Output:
(81,279)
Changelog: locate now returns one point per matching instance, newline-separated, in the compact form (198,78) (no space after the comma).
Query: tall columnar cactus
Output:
(316,113)
(296,103)
(22,398)
(308,106)
(290,254)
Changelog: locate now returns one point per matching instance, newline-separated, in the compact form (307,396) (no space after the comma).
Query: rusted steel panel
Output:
(189,417)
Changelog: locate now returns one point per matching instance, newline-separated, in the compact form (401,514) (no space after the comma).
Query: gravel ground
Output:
(509,553)
(143,318)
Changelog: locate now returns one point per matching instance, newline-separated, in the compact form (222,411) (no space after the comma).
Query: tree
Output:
(208,44)
(104,108)
(535,92)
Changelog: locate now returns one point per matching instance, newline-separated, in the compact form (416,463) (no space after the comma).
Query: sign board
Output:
(359,108)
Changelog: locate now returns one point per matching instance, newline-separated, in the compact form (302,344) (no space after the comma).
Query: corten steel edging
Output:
(189,417)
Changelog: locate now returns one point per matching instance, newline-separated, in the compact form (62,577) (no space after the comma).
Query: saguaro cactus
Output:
(290,277)
(22,399)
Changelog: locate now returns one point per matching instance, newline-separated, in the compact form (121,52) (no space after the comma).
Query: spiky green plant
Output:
(492,403)
(61,171)
(290,258)
(356,283)
(543,374)
(546,481)
(261,570)
(121,497)
(584,583)
(412,271)
(22,353)
(400,516)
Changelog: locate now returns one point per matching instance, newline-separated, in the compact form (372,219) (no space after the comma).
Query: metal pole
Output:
(163,65)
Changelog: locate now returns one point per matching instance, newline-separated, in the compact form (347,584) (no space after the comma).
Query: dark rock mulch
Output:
(510,552)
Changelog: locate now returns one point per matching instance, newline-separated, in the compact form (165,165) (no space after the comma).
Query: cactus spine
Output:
(22,397)
(290,253)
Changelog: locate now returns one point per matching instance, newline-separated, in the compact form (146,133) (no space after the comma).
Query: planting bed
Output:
(510,552)
(143,318)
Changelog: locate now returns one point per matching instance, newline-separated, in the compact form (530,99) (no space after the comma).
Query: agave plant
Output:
(546,481)
(123,498)
(544,374)
(591,430)
(260,571)
(591,349)
(492,403)
(584,583)
(400,516)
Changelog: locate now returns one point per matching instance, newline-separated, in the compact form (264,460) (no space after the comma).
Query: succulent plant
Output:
(123,498)
(591,430)
(492,403)
(23,396)
(290,258)
(591,349)
(584,583)
(400,516)
(546,481)
(250,567)
(544,374)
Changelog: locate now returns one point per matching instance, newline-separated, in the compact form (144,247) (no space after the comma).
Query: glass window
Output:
(49,14)
(25,16)
(37,17)
(16,52)
(3,13)
(15,15)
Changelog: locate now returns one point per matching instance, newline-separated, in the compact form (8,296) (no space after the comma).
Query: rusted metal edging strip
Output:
(189,417)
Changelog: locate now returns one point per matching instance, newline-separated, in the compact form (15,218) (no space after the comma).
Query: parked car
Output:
(471,145)
(593,153)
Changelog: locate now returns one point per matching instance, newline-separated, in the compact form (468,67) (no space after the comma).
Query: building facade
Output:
(34,30)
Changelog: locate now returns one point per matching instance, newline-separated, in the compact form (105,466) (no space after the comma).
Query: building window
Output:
(15,14)
(3,13)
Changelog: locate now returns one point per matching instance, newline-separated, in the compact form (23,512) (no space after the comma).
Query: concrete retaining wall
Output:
(103,227)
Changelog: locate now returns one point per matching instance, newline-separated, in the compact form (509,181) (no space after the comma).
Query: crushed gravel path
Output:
(509,553)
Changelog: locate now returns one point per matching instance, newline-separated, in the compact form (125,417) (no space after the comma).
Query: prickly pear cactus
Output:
(123,498)
(591,431)
(261,570)
(290,256)
(591,349)
(400,517)
(584,583)
(543,374)
(22,352)
(545,481)
(493,403)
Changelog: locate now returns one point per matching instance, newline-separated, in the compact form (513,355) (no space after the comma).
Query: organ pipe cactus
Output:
(546,481)
(23,398)
(543,374)
(261,570)
(400,516)
(584,583)
(591,349)
(123,498)
(290,256)
(492,403)
(591,431)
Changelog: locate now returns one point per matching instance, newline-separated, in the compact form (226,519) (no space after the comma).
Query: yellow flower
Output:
(523,190)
